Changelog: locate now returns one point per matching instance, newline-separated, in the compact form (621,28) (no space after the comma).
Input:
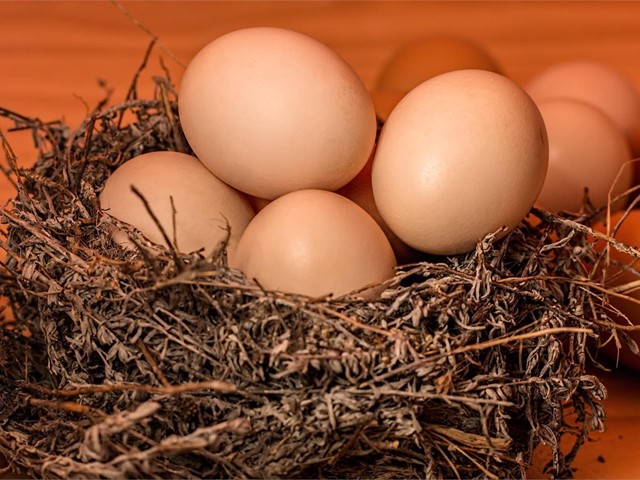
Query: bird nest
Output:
(154,363)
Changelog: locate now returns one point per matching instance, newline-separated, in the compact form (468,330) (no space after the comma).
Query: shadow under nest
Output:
(156,363)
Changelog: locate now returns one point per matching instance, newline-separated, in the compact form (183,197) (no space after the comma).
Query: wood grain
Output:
(52,55)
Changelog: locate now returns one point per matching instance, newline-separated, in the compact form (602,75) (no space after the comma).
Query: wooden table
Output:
(53,54)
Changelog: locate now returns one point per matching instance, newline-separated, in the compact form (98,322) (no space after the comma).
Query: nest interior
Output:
(157,363)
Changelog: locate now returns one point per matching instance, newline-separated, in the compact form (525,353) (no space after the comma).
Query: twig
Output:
(71,407)
(215,385)
(553,218)
(481,346)
(154,366)
(138,24)
(163,232)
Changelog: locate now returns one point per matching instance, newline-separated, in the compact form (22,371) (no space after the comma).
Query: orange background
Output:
(52,55)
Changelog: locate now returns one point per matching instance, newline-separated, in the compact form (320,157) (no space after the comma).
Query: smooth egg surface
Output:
(203,203)
(597,84)
(586,150)
(270,111)
(421,60)
(315,242)
(462,155)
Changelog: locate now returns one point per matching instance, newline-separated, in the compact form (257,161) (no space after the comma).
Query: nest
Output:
(156,363)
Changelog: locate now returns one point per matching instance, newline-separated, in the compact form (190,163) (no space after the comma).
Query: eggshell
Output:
(462,155)
(257,203)
(586,150)
(203,203)
(359,191)
(597,84)
(421,60)
(629,234)
(271,111)
(315,242)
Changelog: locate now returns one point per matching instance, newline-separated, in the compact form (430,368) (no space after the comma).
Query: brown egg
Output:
(271,111)
(586,149)
(315,242)
(203,203)
(257,203)
(462,155)
(359,191)
(597,84)
(421,60)
(629,234)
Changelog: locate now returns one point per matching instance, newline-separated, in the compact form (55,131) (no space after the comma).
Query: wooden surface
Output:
(52,55)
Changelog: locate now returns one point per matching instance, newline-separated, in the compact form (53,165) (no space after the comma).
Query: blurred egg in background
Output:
(586,150)
(597,84)
(423,59)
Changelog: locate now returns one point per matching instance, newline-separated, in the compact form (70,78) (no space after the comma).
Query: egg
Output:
(257,203)
(270,111)
(315,242)
(462,155)
(629,234)
(359,191)
(586,150)
(203,203)
(421,60)
(597,84)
